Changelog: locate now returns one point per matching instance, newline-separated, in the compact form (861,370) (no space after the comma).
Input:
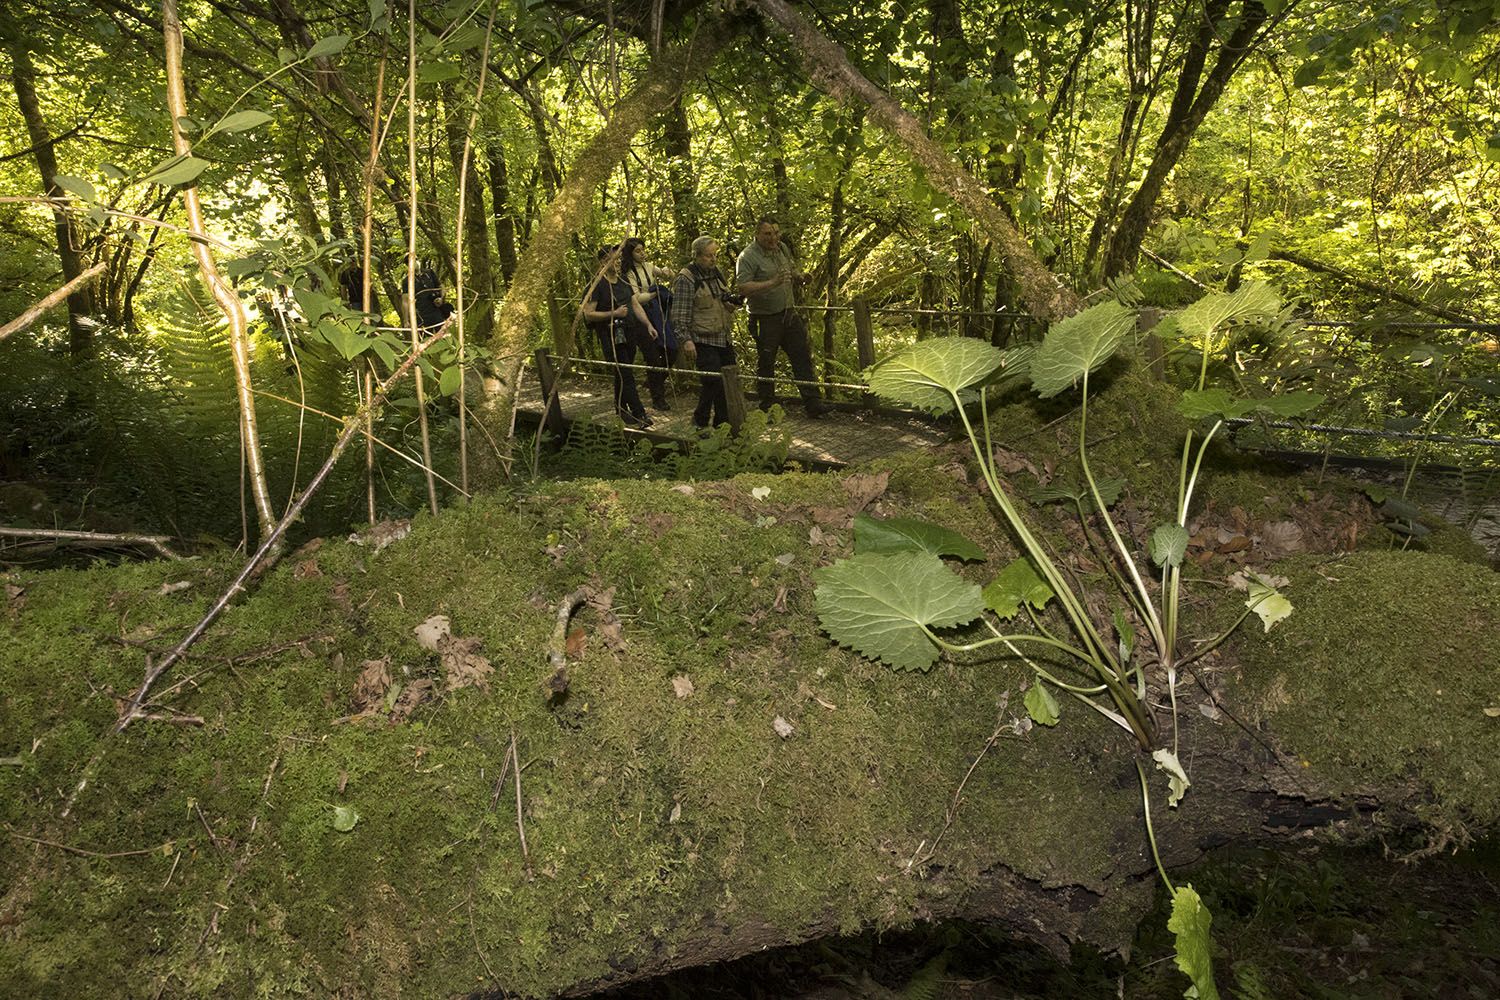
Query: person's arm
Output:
(640,315)
(744,278)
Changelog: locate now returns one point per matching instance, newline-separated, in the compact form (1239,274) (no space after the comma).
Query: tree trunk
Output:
(677,144)
(1190,106)
(81,301)
(1041,290)
(224,295)
(505,220)
(524,311)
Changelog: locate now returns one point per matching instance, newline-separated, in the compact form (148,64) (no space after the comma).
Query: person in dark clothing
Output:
(703,316)
(645,279)
(432,309)
(604,308)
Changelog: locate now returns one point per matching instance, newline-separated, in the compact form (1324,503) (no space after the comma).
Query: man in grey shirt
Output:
(765,274)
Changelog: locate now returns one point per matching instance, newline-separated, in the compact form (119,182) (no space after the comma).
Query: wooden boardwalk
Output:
(848,435)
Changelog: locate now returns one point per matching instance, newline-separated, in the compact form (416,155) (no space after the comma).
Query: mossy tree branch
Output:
(830,69)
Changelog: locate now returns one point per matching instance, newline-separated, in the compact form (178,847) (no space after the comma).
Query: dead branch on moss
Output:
(557,649)
(36,312)
(515,768)
(90,539)
(81,852)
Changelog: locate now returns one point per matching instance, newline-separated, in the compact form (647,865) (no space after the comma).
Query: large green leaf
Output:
(1268,603)
(1196,405)
(1019,583)
(1078,345)
(176,170)
(1190,922)
(242,121)
(328,46)
(904,534)
(77,186)
(925,374)
(1290,404)
(878,605)
(1252,302)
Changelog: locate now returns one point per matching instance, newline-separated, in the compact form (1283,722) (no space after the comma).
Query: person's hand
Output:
(620,312)
(652,330)
(689,349)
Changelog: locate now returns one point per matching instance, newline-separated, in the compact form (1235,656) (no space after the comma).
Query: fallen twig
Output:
(81,852)
(97,538)
(515,762)
(557,648)
(31,315)
(953,805)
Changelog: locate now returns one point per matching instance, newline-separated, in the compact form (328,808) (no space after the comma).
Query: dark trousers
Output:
(711,399)
(654,355)
(771,335)
(627,399)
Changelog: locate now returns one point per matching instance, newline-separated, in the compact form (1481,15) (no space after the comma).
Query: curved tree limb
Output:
(157,542)
(31,315)
(1042,291)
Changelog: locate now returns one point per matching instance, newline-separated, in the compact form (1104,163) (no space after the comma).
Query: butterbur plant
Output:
(897,600)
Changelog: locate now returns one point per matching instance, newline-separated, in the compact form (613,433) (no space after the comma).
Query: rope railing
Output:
(698,372)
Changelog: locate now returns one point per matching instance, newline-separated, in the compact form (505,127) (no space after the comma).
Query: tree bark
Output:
(224,295)
(677,144)
(505,219)
(1190,106)
(1041,290)
(524,310)
(80,299)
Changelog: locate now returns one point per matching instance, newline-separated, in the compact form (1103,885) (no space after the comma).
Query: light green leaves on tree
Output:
(1078,345)
(878,605)
(1042,705)
(1190,922)
(926,374)
(1268,603)
(344,818)
(242,121)
(1169,544)
(176,170)
(448,384)
(1017,584)
(1177,779)
(76,186)
(331,45)
(904,534)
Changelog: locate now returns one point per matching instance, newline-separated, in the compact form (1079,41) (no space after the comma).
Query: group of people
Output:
(635,307)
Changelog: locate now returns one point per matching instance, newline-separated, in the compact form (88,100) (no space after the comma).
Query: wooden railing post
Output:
(552,414)
(1156,358)
(734,396)
(864,333)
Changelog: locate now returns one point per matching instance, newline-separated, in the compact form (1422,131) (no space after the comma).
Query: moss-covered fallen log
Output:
(719,778)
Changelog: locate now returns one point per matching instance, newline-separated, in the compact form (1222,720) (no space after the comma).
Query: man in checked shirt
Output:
(703,315)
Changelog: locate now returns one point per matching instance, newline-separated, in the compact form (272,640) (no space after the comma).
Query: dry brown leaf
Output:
(370,688)
(411,696)
(1013,461)
(1236,543)
(463,664)
(660,523)
(382,534)
(682,685)
(779,605)
(307,569)
(171,588)
(833,517)
(863,488)
(308,549)
(432,632)
(783,728)
(577,641)
(815,536)
(339,595)
(1281,538)
(12,591)
(684,489)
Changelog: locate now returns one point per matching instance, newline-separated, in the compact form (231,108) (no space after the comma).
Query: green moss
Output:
(1383,673)
(643,811)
